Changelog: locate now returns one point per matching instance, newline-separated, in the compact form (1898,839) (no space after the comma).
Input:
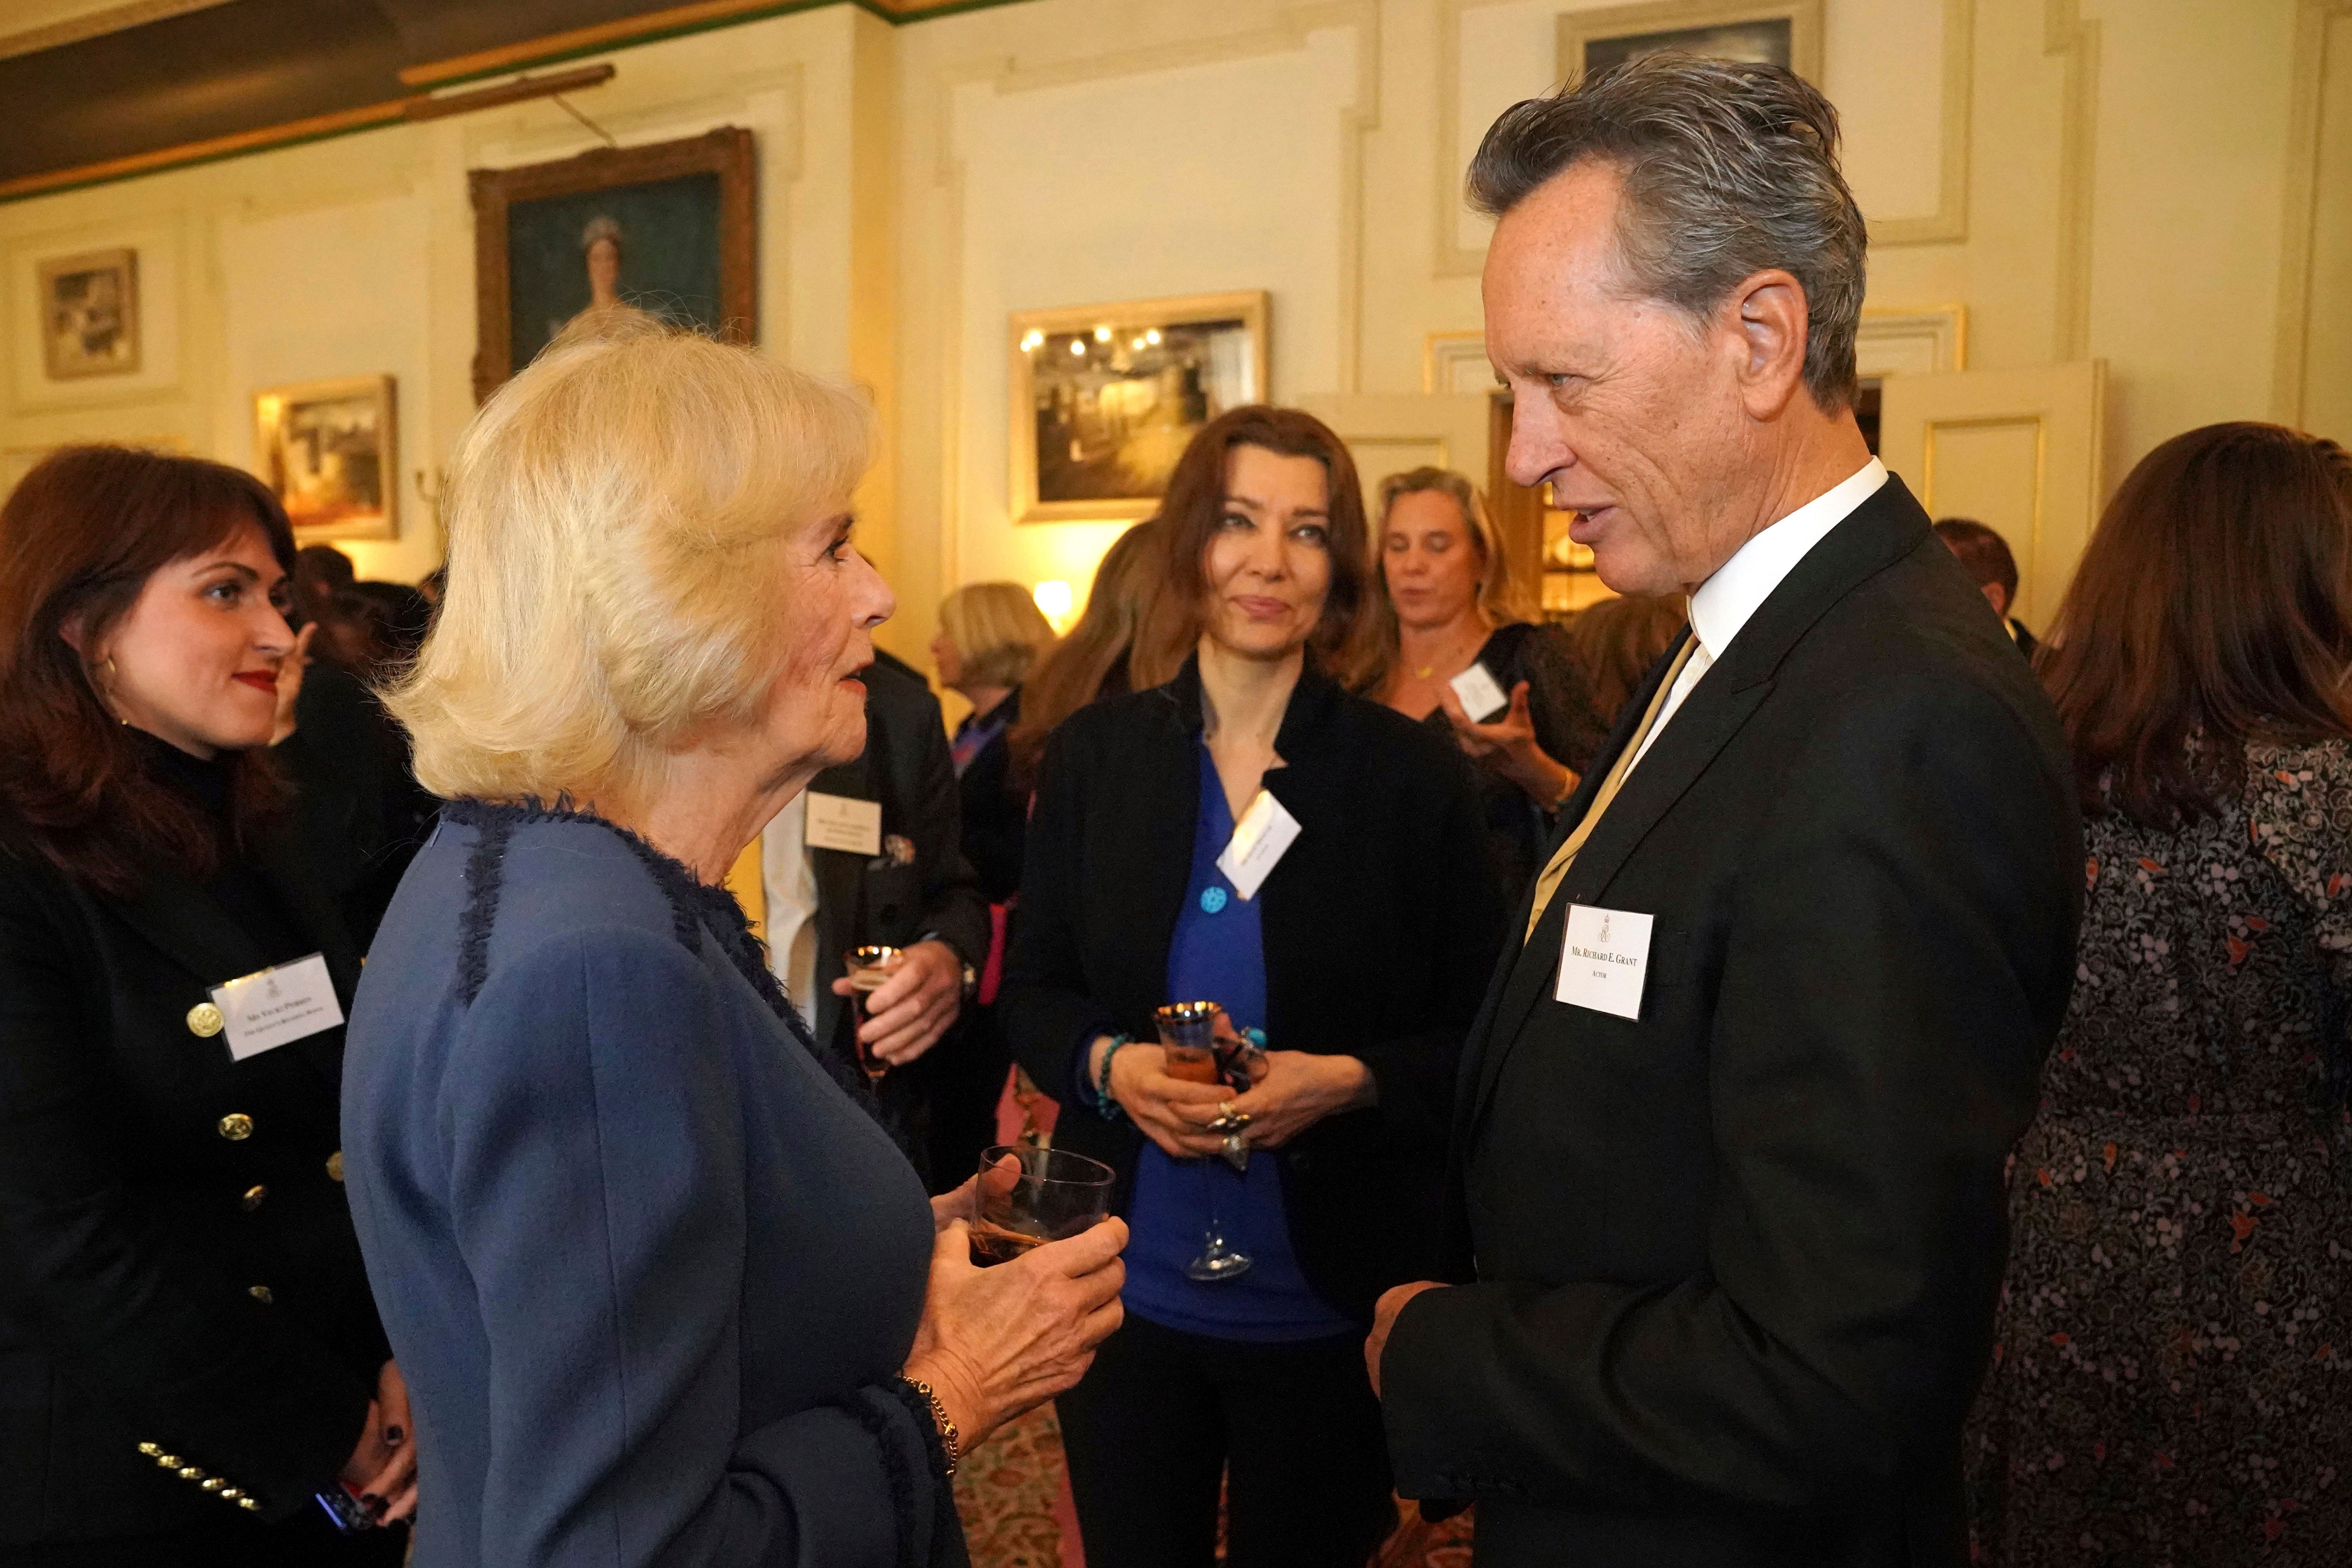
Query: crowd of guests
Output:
(620,1226)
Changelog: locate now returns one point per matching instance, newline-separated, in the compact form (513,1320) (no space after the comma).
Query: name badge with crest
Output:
(277,1006)
(1603,958)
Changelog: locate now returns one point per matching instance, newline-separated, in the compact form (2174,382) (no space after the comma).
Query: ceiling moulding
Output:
(671,22)
(676,21)
(96,24)
(317,128)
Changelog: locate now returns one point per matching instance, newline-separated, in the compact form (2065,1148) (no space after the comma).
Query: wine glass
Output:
(1027,1196)
(1188,1037)
(867,968)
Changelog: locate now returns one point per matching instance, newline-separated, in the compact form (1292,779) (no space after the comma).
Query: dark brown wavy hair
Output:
(78,539)
(2213,605)
(1344,639)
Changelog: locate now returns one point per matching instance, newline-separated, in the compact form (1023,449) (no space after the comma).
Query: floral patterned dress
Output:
(2172,1376)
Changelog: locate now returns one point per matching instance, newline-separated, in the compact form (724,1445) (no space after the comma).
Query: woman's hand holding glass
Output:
(1172,1112)
(996,1342)
(1297,1090)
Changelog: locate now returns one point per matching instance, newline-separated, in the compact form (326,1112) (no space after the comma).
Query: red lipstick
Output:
(260,679)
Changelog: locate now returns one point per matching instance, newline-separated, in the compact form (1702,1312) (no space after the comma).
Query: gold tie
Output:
(1565,856)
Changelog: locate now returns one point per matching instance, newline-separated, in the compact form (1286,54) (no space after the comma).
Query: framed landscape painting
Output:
(1785,34)
(1105,397)
(328,449)
(89,314)
(668,227)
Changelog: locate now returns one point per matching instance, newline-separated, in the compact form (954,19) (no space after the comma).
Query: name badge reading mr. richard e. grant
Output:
(1603,959)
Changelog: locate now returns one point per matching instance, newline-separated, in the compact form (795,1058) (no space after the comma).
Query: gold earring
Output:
(107,696)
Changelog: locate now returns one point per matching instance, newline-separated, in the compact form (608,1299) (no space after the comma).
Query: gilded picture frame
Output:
(330,450)
(1784,32)
(671,227)
(1104,399)
(89,314)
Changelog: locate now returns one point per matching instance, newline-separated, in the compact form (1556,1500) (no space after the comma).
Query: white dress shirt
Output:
(788,882)
(1725,602)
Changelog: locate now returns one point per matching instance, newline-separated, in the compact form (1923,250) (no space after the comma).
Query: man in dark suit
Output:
(1986,557)
(872,852)
(1729,1139)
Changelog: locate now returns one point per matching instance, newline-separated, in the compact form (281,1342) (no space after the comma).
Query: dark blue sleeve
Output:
(594,1128)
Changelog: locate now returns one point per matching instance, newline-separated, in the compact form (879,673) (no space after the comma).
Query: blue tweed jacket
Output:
(648,1263)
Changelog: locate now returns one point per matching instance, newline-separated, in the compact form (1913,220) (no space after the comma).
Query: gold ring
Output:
(1225,1111)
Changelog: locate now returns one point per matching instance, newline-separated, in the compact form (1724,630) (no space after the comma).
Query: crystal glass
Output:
(1028,1196)
(1188,1035)
(867,968)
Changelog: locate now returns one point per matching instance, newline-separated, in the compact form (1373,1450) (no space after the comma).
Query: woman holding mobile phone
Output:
(189,1358)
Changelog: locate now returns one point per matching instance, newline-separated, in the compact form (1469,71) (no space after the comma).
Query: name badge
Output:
(1260,838)
(1603,959)
(273,1006)
(838,821)
(1482,697)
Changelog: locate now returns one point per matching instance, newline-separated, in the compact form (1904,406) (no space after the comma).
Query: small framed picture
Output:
(1105,397)
(327,449)
(89,314)
(1786,33)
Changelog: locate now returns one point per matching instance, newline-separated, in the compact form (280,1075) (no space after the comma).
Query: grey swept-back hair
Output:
(1729,168)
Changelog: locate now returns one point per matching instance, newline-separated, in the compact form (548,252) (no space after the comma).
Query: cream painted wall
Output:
(2124,180)
(355,256)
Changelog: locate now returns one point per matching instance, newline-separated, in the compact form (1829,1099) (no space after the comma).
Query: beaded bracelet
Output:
(1105,1106)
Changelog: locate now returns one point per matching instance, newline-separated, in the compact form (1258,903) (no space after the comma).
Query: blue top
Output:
(1219,955)
(650,1271)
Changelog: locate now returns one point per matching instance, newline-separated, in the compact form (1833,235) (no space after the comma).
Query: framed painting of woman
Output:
(668,227)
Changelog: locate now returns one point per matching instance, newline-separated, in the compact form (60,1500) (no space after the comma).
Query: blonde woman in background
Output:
(671,1291)
(1447,604)
(991,634)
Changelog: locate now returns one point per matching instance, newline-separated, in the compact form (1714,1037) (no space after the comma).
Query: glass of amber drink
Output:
(1188,1034)
(1188,1037)
(1028,1196)
(867,968)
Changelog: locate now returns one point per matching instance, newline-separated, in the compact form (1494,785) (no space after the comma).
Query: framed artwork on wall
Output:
(329,450)
(1786,32)
(89,314)
(668,227)
(1105,397)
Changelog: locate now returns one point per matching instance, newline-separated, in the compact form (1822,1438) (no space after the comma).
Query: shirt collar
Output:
(1724,603)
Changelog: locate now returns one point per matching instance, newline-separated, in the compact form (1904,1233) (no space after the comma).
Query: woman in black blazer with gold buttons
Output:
(189,1355)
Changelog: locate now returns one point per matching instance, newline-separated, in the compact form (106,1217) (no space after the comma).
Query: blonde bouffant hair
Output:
(998,632)
(614,514)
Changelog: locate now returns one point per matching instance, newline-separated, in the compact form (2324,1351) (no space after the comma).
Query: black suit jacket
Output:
(1736,1261)
(134,1229)
(882,899)
(1380,925)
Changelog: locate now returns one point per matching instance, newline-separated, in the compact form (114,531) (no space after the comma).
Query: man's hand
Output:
(1384,1317)
(907,1013)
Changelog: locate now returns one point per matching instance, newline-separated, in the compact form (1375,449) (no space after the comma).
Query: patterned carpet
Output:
(1015,1516)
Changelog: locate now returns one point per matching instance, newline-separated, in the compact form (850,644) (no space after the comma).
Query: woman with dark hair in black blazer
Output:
(189,1356)
(1361,956)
